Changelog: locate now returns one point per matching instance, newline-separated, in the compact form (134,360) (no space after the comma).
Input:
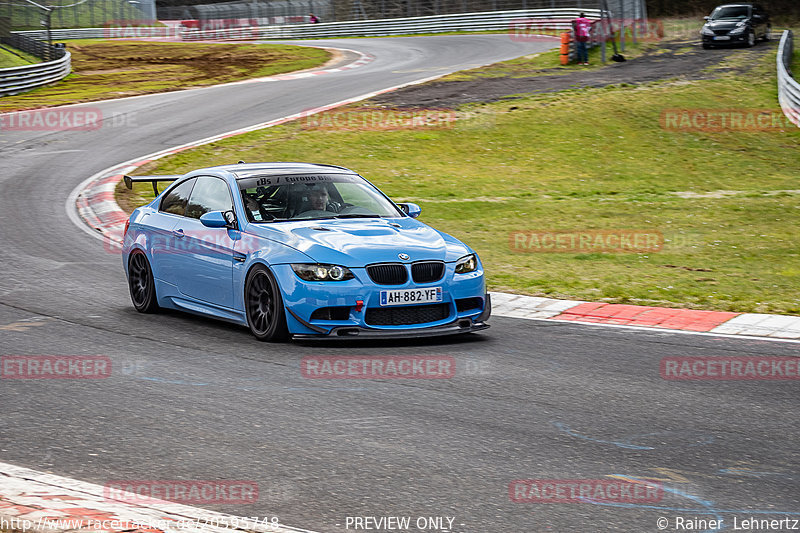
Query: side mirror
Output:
(215,219)
(412,210)
(706,18)
(230,218)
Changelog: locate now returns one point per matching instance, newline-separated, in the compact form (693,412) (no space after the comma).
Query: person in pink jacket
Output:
(582,26)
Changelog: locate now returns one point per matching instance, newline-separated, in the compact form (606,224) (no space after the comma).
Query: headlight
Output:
(318,272)
(739,28)
(706,31)
(467,264)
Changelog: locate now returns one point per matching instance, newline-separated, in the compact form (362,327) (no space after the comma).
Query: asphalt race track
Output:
(196,399)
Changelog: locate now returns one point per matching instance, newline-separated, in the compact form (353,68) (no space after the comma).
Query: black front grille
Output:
(388,273)
(406,315)
(465,304)
(721,32)
(331,313)
(427,272)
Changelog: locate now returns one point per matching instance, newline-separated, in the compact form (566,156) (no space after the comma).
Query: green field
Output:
(105,69)
(726,202)
(11,57)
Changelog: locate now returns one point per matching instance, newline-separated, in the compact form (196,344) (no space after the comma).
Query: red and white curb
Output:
(37,502)
(774,327)
(92,205)
(360,62)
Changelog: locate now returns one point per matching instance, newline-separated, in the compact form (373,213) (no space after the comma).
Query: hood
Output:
(721,24)
(360,241)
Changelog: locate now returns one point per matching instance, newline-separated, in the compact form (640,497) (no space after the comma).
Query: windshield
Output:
(730,13)
(310,197)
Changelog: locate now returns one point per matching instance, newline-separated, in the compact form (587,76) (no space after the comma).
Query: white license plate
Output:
(722,38)
(411,296)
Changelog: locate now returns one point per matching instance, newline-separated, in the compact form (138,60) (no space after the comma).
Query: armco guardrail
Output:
(36,47)
(15,80)
(492,20)
(788,88)
(487,21)
(64,35)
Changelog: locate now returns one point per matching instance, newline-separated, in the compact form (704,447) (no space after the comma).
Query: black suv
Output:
(736,24)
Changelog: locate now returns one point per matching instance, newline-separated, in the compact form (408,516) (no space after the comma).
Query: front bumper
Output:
(734,40)
(353,307)
(457,327)
(463,325)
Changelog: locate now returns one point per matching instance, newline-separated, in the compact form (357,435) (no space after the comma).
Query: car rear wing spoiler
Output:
(130,180)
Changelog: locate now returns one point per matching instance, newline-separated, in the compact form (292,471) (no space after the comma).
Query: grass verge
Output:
(727,202)
(105,69)
(545,64)
(11,57)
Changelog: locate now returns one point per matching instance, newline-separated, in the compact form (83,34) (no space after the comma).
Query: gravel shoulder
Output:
(676,60)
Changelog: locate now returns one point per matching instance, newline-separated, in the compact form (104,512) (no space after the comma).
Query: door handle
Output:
(178,233)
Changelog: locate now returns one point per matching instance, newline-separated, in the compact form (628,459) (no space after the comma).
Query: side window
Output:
(175,200)
(209,194)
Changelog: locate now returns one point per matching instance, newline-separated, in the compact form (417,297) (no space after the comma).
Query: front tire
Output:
(141,283)
(751,39)
(264,306)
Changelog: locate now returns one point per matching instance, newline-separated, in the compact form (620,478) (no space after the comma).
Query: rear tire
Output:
(264,306)
(141,283)
(768,34)
(706,46)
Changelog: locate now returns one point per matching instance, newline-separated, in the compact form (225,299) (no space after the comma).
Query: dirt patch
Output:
(112,69)
(206,61)
(673,60)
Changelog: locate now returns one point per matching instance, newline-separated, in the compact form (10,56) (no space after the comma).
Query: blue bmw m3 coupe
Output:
(302,250)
